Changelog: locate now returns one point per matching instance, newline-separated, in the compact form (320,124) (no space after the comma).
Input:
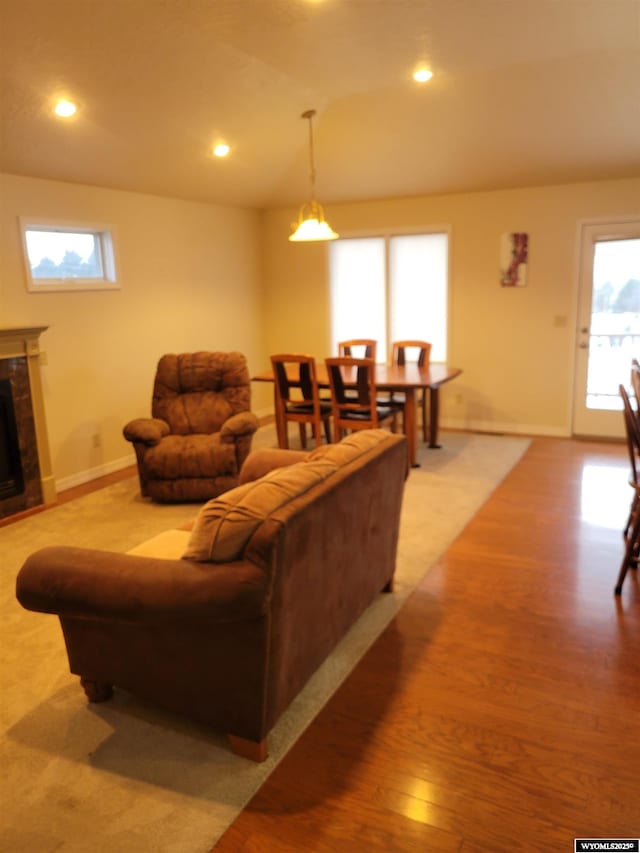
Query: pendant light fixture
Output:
(311,224)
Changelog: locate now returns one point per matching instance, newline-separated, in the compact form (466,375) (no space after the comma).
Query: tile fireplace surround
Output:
(20,364)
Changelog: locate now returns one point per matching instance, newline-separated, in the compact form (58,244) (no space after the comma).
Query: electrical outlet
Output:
(96,440)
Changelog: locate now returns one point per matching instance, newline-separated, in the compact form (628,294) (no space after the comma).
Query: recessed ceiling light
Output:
(221,149)
(422,74)
(64,108)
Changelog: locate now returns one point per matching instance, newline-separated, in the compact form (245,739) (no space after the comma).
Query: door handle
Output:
(583,346)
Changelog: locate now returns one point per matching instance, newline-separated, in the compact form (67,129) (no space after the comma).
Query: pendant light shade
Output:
(311,224)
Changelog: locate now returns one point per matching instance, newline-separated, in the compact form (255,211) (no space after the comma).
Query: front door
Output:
(608,325)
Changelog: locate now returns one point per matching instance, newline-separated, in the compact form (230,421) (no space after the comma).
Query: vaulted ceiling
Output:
(525,92)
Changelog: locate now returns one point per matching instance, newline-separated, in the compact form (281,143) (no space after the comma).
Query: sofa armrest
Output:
(89,584)
(147,430)
(242,424)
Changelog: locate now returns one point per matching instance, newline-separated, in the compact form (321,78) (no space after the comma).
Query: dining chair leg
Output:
(282,433)
(303,435)
(630,554)
(285,437)
(632,512)
(317,433)
(327,429)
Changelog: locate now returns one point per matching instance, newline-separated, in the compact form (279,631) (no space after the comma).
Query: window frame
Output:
(386,235)
(105,237)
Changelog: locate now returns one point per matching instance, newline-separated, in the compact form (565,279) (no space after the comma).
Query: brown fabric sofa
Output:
(200,430)
(227,622)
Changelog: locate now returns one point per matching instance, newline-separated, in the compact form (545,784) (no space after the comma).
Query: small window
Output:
(64,256)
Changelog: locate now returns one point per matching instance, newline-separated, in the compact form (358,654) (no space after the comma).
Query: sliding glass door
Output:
(391,288)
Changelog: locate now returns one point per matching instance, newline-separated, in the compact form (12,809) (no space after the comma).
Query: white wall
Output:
(515,346)
(199,276)
(190,277)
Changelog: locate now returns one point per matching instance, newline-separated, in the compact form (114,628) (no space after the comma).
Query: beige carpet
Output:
(126,777)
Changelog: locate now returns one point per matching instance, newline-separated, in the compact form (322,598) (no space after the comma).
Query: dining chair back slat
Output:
(297,398)
(419,352)
(358,348)
(353,396)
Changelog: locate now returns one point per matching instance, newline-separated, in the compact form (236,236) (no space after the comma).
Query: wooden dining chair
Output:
(419,352)
(358,348)
(632,527)
(353,396)
(297,398)
(635,381)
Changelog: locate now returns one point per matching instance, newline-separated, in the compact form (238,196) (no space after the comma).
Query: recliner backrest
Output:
(197,392)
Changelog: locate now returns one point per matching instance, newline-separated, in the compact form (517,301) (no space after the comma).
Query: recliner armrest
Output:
(90,584)
(243,423)
(147,430)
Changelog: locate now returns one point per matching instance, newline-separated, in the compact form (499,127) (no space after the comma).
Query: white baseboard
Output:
(448,423)
(507,428)
(504,428)
(93,473)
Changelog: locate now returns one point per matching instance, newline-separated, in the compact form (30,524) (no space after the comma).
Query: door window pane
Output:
(615,320)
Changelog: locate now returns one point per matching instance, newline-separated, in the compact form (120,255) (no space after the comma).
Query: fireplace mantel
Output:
(23,342)
(19,341)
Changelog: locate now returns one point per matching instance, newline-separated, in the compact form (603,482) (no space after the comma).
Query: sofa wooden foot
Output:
(96,691)
(388,587)
(251,749)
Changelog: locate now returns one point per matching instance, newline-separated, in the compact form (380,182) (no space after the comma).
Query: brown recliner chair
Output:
(200,429)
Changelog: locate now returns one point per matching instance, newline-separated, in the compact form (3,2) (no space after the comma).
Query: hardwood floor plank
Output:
(499,711)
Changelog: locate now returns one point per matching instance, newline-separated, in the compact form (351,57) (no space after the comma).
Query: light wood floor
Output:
(500,711)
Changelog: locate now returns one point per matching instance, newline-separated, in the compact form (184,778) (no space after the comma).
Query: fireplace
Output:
(11,475)
(26,478)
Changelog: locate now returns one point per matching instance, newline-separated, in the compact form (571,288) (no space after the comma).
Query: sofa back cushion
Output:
(349,448)
(225,524)
(266,459)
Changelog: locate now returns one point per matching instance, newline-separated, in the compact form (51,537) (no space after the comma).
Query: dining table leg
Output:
(410,426)
(281,426)
(434,401)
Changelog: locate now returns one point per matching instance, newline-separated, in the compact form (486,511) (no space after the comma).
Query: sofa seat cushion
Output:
(168,545)
(225,524)
(184,456)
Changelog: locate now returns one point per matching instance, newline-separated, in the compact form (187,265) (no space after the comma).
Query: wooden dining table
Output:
(406,379)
